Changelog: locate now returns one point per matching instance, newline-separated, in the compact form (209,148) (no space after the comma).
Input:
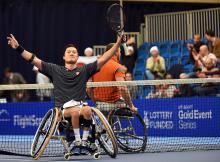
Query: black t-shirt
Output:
(129,61)
(69,84)
(196,46)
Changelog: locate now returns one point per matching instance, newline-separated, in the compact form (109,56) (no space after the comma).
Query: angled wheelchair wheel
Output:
(129,129)
(44,133)
(104,133)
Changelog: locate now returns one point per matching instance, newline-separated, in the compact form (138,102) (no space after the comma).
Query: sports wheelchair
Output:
(130,129)
(54,127)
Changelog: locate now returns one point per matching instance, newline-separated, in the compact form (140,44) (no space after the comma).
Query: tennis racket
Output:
(116,19)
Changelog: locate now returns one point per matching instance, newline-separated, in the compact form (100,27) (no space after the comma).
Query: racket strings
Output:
(116,17)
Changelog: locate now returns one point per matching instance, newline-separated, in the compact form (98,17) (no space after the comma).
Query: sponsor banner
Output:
(183,117)
(22,118)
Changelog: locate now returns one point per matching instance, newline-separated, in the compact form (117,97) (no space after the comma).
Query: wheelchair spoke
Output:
(106,142)
(131,126)
(129,137)
(102,134)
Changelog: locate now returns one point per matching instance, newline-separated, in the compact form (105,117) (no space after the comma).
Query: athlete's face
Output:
(71,55)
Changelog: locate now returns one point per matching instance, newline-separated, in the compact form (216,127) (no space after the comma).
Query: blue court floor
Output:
(191,156)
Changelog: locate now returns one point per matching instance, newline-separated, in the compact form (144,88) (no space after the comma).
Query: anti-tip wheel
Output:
(67,156)
(96,155)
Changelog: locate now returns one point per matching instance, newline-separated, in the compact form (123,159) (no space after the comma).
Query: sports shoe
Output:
(76,147)
(85,147)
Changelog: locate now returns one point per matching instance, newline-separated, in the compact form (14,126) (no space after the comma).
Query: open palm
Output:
(12,42)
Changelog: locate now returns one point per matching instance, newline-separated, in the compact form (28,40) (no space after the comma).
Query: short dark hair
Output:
(7,70)
(210,33)
(109,46)
(67,46)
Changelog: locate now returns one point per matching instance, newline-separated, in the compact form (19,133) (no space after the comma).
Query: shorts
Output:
(71,104)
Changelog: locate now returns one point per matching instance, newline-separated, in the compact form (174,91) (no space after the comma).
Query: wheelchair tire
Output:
(119,112)
(112,152)
(44,133)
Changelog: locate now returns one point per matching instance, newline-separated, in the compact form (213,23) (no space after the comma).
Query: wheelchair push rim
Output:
(44,133)
(105,135)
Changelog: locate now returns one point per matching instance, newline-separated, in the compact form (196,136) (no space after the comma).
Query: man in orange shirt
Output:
(108,98)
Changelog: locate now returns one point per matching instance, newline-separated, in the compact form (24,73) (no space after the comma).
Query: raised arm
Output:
(108,54)
(13,43)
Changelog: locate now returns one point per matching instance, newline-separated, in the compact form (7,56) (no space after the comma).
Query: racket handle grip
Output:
(125,49)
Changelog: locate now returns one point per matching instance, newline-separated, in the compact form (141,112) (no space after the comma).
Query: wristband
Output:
(32,58)
(19,49)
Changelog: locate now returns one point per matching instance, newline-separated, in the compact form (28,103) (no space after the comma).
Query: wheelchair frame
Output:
(49,128)
(115,117)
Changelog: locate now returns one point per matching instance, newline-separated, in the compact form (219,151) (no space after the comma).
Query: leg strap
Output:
(86,123)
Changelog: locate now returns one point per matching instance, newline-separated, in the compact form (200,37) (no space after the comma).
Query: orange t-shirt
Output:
(108,72)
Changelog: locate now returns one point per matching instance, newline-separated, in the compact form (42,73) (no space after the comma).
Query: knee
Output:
(147,72)
(75,113)
(86,112)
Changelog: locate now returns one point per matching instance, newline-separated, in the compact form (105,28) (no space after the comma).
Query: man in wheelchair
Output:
(116,104)
(69,85)
(114,97)
(71,129)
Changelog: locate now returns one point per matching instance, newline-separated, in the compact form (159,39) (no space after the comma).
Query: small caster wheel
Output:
(67,156)
(96,155)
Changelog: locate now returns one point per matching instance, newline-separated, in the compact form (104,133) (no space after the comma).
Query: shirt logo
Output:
(77,73)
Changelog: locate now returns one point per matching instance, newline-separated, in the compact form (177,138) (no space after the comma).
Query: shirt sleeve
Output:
(119,75)
(91,69)
(48,69)
(120,72)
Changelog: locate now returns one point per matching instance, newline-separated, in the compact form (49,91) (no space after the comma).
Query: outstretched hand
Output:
(12,42)
(134,109)
(121,38)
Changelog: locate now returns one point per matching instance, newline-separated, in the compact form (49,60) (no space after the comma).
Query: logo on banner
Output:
(24,121)
(159,119)
(189,116)
(4,115)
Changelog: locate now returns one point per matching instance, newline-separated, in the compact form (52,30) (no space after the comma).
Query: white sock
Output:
(77,134)
(85,135)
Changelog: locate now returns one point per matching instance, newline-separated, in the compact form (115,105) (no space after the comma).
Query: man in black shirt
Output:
(129,60)
(196,46)
(69,85)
